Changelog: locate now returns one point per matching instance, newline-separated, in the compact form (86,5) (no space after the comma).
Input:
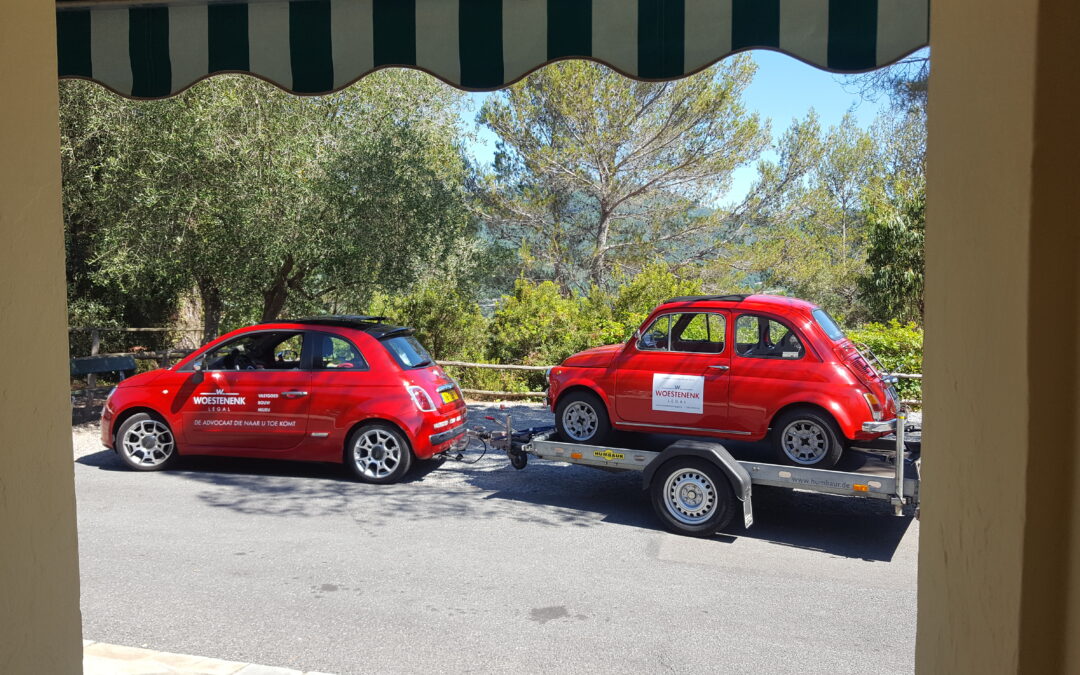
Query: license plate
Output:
(449,396)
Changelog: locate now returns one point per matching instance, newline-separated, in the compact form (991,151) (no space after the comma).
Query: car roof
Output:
(371,325)
(757,301)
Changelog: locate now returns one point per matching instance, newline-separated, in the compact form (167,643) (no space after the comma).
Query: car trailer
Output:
(697,487)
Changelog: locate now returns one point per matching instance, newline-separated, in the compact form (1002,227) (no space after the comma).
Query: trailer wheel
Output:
(692,496)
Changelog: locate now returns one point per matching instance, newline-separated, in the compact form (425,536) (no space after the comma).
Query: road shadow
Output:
(548,494)
(839,526)
(220,468)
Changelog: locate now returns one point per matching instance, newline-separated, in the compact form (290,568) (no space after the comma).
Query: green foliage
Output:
(800,231)
(536,325)
(446,321)
(893,284)
(259,201)
(595,172)
(634,301)
(899,347)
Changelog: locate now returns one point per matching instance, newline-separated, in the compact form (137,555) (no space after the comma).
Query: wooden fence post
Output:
(91,379)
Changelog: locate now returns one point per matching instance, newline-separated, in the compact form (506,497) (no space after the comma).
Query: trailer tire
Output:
(692,496)
(581,417)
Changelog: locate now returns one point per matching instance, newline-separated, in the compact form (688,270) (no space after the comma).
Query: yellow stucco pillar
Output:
(39,580)
(999,585)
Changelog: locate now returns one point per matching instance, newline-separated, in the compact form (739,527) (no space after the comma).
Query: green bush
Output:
(899,347)
(536,325)
(635,300)
(447,322)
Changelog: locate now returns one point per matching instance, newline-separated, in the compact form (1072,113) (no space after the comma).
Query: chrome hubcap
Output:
(805,442)
(148,443)
(690,496)
(377,453)
(580,421)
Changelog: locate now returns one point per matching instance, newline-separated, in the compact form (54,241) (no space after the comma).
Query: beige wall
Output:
(39,582)
(999,586)
(1002,341)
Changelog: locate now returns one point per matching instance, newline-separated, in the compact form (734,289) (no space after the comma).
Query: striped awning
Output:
(153,50)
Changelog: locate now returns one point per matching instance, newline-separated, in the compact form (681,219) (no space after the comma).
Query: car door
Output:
(675,374)
(341,382)
(770,362)
(251,395)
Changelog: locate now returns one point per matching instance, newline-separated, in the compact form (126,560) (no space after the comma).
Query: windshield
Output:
(408,351)
(828,324)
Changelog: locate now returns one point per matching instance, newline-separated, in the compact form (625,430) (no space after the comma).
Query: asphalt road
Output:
(479,567)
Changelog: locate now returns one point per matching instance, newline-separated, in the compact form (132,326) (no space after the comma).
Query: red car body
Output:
(726,388)
(304,406)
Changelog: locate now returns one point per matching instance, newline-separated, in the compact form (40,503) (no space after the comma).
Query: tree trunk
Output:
(212,307)
(603,230)
(275,296)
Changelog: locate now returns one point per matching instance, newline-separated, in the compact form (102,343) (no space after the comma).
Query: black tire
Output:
(580,417)
(692,496)
(144,442)
(814,442)
(378,453)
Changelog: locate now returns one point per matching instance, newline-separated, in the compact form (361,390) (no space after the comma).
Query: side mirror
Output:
(197,366)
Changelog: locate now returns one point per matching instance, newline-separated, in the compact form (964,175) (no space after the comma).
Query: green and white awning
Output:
(155,49)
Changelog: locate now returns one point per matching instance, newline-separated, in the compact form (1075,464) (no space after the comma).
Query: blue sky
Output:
(783,89)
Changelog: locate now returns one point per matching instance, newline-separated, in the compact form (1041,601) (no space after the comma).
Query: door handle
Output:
(293,394)
(721,367)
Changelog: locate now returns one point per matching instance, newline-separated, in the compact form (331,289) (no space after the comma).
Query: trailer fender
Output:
(736,474)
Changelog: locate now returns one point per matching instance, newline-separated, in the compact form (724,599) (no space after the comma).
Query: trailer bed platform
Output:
(685,466)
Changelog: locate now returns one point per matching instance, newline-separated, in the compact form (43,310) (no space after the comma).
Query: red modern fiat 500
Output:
(329,389)
(732,366)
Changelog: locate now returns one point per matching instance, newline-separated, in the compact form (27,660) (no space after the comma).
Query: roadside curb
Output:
(102,658)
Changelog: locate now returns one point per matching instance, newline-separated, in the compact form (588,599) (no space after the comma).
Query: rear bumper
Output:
(446,436)
(879,428)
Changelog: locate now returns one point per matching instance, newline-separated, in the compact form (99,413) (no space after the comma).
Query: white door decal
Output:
(678,393)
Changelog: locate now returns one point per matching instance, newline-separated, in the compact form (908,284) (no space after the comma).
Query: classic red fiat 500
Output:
(732,366)
(329,389)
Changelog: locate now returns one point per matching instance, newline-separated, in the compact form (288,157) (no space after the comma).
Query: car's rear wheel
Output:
(581,417)
(807,437)
(146,443)
(378,453)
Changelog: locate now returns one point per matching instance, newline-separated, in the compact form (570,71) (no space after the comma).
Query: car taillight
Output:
(875,406)
(420,398)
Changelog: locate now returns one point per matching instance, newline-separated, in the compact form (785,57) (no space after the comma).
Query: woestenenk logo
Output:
(219,397)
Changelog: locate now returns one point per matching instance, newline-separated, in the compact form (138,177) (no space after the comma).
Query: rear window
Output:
(828,324)
(408,351)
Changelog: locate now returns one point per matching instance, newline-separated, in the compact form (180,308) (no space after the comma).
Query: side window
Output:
(256,351)
(764,338)
(655,337)
(699,333)
(335,353)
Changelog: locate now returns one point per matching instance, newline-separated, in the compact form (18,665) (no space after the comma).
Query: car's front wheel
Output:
(581,417)
(807,437)
(378,453)
(146,443)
